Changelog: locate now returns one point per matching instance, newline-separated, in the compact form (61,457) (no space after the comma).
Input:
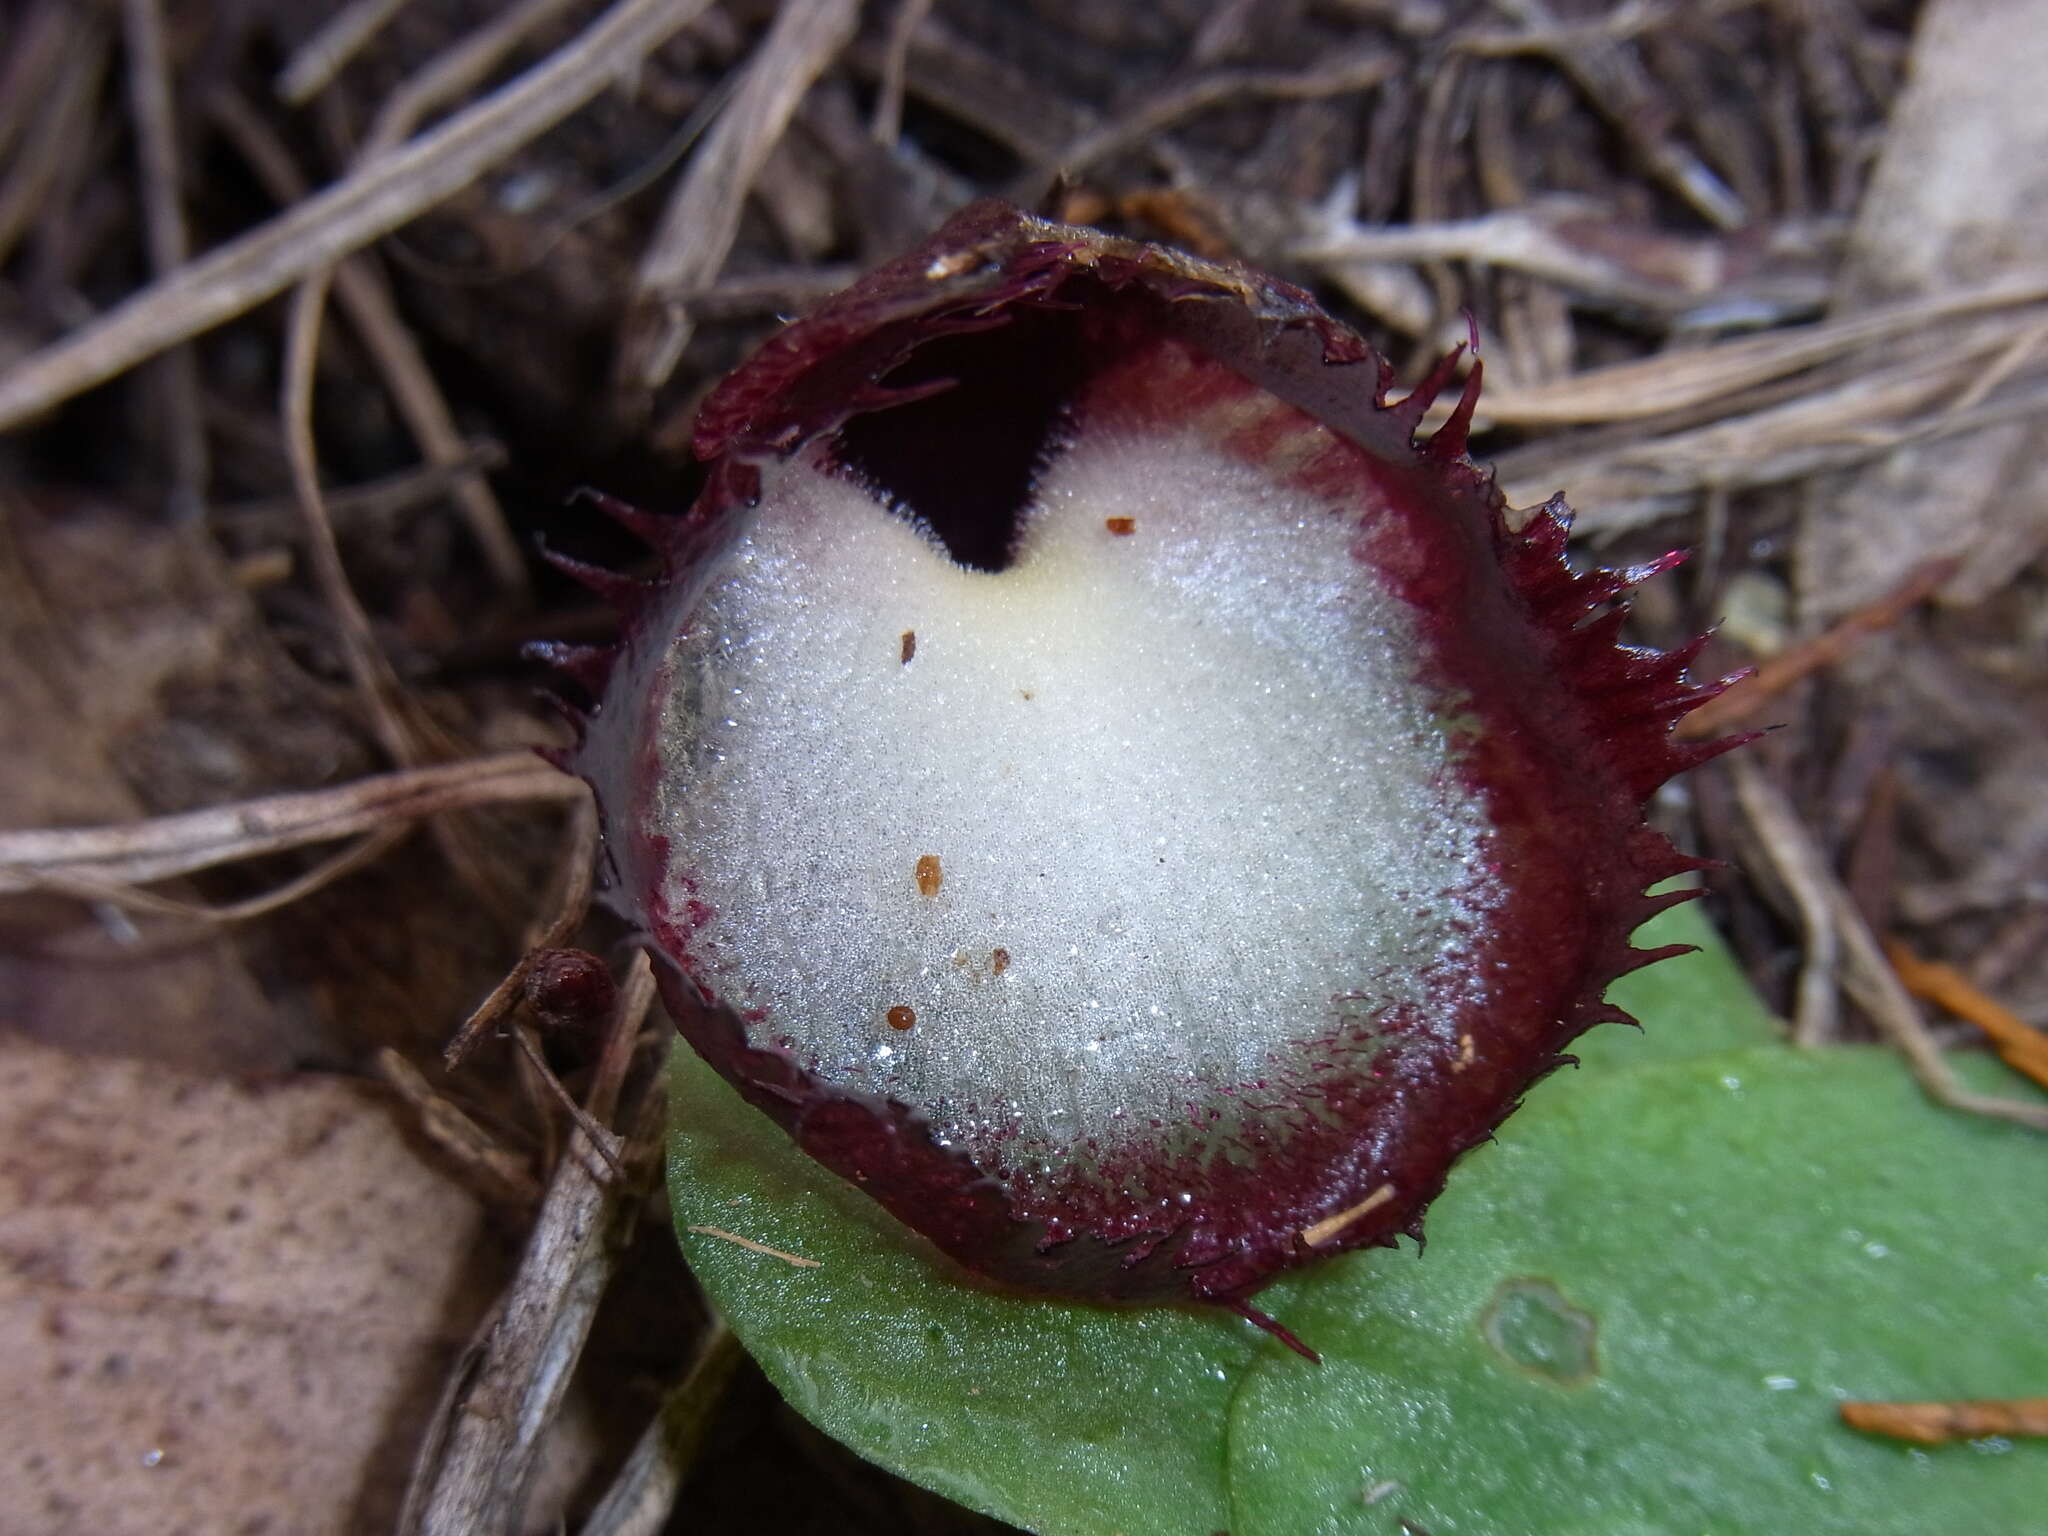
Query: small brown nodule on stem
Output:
(901,1017)
(571,993)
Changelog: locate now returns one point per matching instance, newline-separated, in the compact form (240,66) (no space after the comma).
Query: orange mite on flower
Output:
(1316,806)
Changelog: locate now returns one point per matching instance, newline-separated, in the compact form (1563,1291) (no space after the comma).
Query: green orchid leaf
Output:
(1086,1421)
(1059,1417)
(1638,1312)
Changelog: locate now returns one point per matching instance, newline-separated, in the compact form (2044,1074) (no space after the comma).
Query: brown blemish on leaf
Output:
(998,961)
(929,875)
(1529,1324)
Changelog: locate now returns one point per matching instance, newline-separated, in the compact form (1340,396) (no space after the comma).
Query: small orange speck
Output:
(1122,527)
(998,962)
(929,875)
(901,1017)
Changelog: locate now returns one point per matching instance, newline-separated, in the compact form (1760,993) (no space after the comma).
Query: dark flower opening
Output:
(964,460)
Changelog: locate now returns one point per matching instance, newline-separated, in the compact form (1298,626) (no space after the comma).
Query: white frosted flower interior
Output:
(1191,810)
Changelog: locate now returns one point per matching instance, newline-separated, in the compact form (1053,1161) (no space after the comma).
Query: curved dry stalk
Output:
(375,681)
(136,853)
(345,217)
(365,850)
(1865,974)
(327,52)
(60,130)
(702,220)
(574,879)
(454,73)
(887,121)
(478,1459)
(151,106)
(368,300)
(501,1173)
(1183,98)
(1815,1009)
(640,1498)
(404,732)
(1678,381)
(374,314)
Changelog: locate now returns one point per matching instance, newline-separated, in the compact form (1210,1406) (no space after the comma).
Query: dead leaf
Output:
(222,1307)
(1959,196)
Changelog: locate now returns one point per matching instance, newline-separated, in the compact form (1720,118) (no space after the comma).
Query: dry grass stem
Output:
(479,1458)
(401,727)
(327,52)
(1865,975)
(169,242)
(1612,78)
(599,1140)
(343,218)
(1741,703)
(384,698)
(1149,116)
(1815,1013)
(1636,474)
(1670,274)
(795,1259)
(1878,991)
(571,901)
(374,314)
(454,73)
(364,851)
(136,853)
(60,131)
(1940,1423)
(643,1494)
(635,998)
(1687,380)
(698,227)
(2019,1045)
(776,290)
(40,41)
(384,497)
(887,119)
(987,93)
(500,1173)
(636,1001)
